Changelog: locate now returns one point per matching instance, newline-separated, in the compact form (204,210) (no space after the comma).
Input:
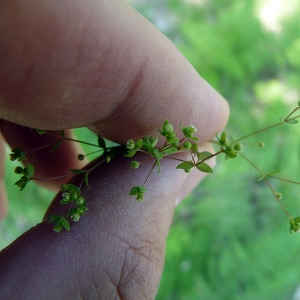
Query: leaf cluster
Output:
(71,195)
(27,173)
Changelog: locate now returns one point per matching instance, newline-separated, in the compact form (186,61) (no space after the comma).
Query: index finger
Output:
(97,64)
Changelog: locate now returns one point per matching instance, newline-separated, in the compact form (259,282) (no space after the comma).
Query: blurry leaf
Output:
(65,223)
(56,145)
(77,171)
(204,167)
(86,180)
(203,155)
(169,151)
(158,154)
(101,142)
(187,165)
(29,170)
(72,189)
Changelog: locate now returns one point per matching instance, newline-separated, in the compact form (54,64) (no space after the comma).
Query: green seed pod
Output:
(237,146)
(66,196)
(135,164)
(75,216)
(64,187)
(80,157)
(278,195)
(80,200)
(187,145)
(80,210)
(130,144)
(168,129)
(192,129)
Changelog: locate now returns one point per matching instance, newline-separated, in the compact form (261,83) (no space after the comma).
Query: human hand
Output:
(101,65)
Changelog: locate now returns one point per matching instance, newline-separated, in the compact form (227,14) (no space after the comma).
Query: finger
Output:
(3,196)
(115,250)
(98,64)
(51,167)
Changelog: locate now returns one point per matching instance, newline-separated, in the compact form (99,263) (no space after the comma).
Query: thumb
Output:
(116,250)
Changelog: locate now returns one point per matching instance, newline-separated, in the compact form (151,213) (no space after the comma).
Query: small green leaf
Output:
(130,153)
(29,170)
(138,191)
(86,180)
(56,145)
(17,154)
(204,167)
(158,166)
(194,147)
(77,171)
(57,227)
(170,150)
(40,131)
(157,154)
(203,155)
(261,178)
(72,189)
(187,165)
(54,218)
(223,139)
(101,142)
(139,144)
(21,183)
(65,223)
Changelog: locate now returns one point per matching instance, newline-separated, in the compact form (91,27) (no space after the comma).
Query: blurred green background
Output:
(229,239)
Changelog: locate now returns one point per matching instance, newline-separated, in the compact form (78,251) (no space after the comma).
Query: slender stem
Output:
(81,142)
(284,179)
(150,172)
(289,115)
(258,131)
(40,148)
(209,157)
(53,178)
(278,200)
(286,119)
(267,182)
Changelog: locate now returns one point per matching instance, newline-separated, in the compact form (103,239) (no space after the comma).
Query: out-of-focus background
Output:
(229,239)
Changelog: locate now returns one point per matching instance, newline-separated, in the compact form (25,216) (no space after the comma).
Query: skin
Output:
(99,64)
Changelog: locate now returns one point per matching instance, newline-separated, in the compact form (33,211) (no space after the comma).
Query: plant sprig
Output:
(172,144)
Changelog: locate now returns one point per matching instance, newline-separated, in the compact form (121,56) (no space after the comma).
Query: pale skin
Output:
(99,64)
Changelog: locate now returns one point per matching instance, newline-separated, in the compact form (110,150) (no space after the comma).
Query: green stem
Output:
(286,119)
(278,200)
(258,131)
(267,182)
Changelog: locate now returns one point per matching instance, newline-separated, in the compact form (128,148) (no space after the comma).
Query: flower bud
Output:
(80,157)
(135,164)
(130,144)
(187,145)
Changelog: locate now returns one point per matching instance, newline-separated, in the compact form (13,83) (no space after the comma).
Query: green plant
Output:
(225,144)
